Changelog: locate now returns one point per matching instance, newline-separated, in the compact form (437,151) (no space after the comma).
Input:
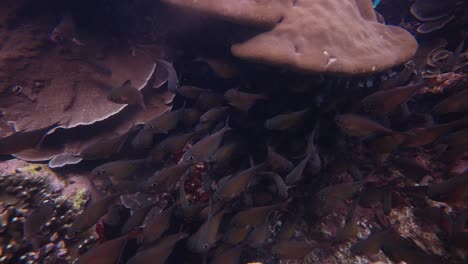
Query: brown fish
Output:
(221,67)
(161,73)
(370,245)
(452,190)
(384,145)
(164,122)
(398,249)
(205,148)
(459,138)
(118,170)
(136,218)
(418,137)
(203,128)
(315,162)
(156,225)
(453,153)
(279,182)
(205,212)
(293,249)
(312,158)
(175,143)
(229,256)
(410,168)
(214,114)
(400,78)
(126,94)
(158,253)
(257,215)
(339,191)
(192,212)
(104,148)
(66,31)
(235,235)
(233,186)
(208,100)
(207,235)
(223,155)
(436,215)
(371,196)
(387,201)
(451,63)
(459,240)
(349,229)
(23,140)
(143,139)
(259,236)
(172,78)
(107,252)
(287,121)
(460,166)
(277,162)
(191,92)
(383,102)
(455,103)
(189,116)
(242,100)
(297,173)
(288,230)
(359,126)
(166,179)
(329,197)
(95,209)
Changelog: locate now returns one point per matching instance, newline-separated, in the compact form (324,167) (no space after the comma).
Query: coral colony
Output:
(221,131)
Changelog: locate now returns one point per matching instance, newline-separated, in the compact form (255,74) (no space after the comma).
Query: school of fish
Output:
(245,172)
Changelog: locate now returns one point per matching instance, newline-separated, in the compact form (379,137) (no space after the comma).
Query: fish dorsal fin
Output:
(251,162)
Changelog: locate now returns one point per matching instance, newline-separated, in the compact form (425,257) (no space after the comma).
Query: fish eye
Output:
(205,246)
(191,158)
(321,197)
(150,126)
(112,98)
(16,89)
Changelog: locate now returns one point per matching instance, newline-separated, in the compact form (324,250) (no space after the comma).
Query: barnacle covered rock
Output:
(340,37)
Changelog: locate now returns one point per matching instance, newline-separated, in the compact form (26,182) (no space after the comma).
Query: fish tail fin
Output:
(141,100)
(226,124)
(49,130)
(78,42)
(142,104)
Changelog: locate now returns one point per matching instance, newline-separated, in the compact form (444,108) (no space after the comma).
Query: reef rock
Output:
(317,36)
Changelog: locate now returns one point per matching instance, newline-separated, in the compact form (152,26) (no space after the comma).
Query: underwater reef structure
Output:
(249,131)
(340,37)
